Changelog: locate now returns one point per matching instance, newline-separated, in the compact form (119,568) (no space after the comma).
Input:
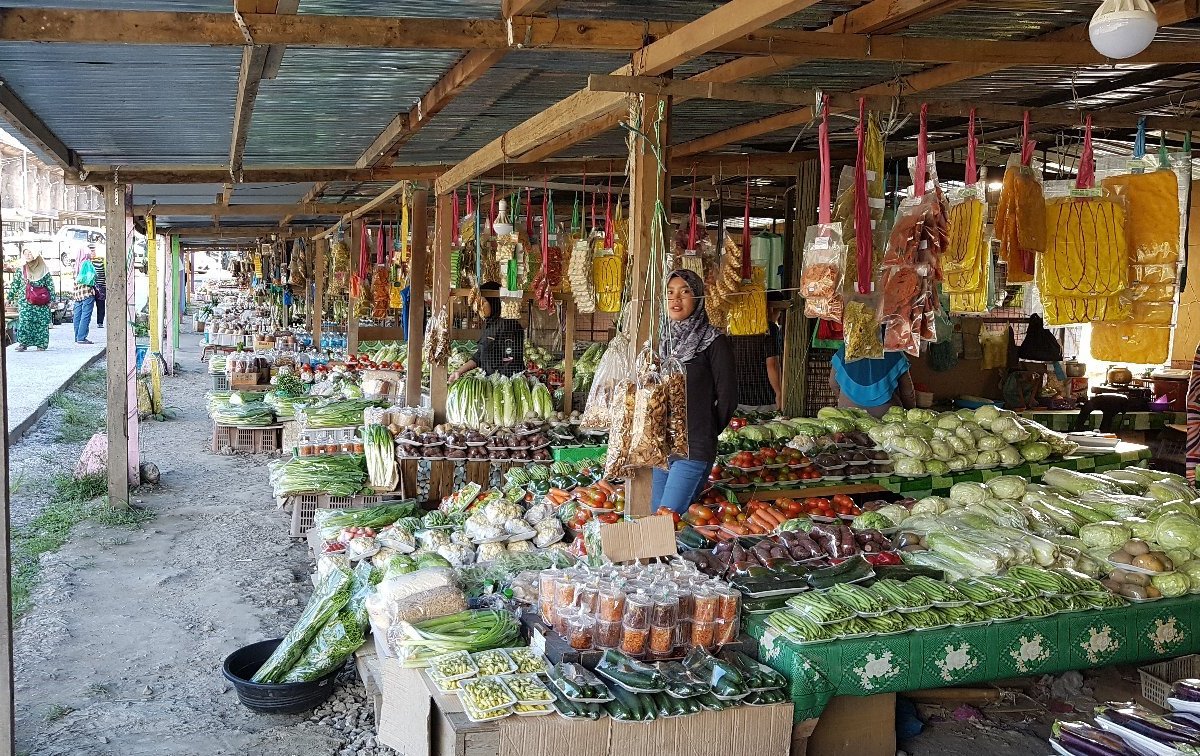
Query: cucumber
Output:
(907,572)
(853,569)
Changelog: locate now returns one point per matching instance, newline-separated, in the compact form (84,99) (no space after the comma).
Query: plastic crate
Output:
(1157,679)
(265,440)
(304,507)
(580,453)
(220,382)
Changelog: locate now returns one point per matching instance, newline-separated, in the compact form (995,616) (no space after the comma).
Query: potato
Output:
(1113,584)
(1152,592)
(1136,547)
(1120,556)
(1149,562)
(1134,578)
(1134,592)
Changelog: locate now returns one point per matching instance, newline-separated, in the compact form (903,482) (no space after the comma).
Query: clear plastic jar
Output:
(662,640)
(727,631)
(610,603)
(637,611)
(706,605)
(564,591)
(579,632)
(634,641)
(665,611)
(704,634)
(730,604)
(586,596)
(607,635)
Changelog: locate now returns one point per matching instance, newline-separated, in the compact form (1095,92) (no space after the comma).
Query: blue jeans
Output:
(83,317)
(677,488)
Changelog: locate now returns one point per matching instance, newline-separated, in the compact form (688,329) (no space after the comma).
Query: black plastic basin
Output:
(272,698)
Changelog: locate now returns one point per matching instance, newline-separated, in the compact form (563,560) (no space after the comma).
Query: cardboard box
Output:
(801,732)
(644,538)
(856,726)
(425,722)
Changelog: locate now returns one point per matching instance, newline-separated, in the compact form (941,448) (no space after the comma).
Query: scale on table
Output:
(1094,442)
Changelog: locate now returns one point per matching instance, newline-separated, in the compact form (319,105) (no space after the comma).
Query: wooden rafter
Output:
(248,210)
(696,38)
(233,232)
(1170,12)
(874,16)
(955,108)
(24,120)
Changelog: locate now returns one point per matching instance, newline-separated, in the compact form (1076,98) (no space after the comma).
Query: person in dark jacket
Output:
(501,345)
(712,392)
(101,286)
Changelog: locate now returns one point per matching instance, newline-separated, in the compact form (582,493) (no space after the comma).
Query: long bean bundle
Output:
(336,475)
(248,415)
(472,630)
(338,414)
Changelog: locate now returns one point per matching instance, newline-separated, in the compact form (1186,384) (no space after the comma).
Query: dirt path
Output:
(121,651)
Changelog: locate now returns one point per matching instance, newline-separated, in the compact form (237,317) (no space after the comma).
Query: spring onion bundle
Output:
(332,521)
(338,414)
(336,475)
(248,415)
(381,457)
(473,630)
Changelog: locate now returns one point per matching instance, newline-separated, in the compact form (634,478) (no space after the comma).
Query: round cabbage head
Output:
(960,445)
(958,462)
(1191,568)
(871,520)
(919,415)
(942,451)
(894,415)
(894,513)
(948,421)
(989,458)
(910,466)
(1178,531)
(911,446)
(930,505)
(988,442)
(965,414)
(880,434)
(1143,529)
(970,493)
(1105,535)
(920,431)
(1010,457)
(936,467)
(986,415)
(1035,451)
(1007,487)
(1172,584)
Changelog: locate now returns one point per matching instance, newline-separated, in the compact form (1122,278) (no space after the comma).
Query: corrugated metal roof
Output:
(184,6)
(326,106)
(428,8)
(129,104)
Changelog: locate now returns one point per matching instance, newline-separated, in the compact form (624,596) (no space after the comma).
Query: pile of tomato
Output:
(602,501)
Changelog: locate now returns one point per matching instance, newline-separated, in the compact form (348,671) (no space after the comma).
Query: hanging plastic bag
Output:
(860,325)
(725,284)
(748,310)
(825,246)
(648,430)
(612,370)
(965,261)
(675,378)
(1021,214)
(616,460)
(608,267)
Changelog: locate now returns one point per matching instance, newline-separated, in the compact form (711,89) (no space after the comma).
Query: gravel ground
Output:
(214,571)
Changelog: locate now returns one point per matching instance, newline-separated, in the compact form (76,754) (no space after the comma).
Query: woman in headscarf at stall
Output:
(872,385)
(712,392)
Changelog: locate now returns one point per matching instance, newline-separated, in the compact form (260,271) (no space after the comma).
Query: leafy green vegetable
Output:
(336,475)
(1105,535)
(1178,531)
(332,521)
(327,600)
(1172,584)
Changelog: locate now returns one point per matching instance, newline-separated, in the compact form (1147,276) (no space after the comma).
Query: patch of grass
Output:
(72,502)
(56,712)
(17,485)
(98,690)
(80,420)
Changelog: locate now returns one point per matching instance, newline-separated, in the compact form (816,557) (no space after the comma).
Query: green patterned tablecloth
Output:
(1124,455)
(1063,420)
(961,655)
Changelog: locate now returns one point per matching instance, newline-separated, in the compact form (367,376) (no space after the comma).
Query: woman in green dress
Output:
(33,322)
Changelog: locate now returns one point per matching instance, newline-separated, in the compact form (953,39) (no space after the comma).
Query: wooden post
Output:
(568,357)
(318,307)
(418,262)
(647,185)
(357,229)
(117,332)
(8,728)
(443,229)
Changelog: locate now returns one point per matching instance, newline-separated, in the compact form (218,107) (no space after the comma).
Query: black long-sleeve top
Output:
(501,347)
(712,397)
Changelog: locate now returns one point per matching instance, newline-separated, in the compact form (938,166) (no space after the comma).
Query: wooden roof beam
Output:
(233,232)
(726,22)
(14,110)
(249,210)
(1170,12)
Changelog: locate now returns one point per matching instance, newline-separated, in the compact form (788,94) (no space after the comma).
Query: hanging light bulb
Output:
(501,225)
(1123,28)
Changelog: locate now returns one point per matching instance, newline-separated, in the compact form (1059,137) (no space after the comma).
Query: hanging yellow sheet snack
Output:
(1153,226)
(1086,248)
(1131,342)
(1021,221)
(748,307)
(965,258)
(1070,310)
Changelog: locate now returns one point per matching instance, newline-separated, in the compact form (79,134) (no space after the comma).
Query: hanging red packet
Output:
(864,244)
(529,214)
(825,200)
(1027,145)
(972,174)
(922,173)
(608,217)
(747,273)
(1087,160)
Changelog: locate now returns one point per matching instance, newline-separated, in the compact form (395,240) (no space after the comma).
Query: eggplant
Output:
(1080,739)
(1150,725)
(1186,690)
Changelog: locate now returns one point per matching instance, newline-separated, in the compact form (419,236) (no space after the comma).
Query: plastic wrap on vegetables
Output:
(547,531)
(398,539)
(613,369)
(489,551)
(330,596)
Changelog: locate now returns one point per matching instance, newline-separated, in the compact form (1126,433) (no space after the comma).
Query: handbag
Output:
(37,295)
(101,292)
(87,274)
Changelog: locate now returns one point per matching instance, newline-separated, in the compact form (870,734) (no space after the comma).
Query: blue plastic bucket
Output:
(141,355)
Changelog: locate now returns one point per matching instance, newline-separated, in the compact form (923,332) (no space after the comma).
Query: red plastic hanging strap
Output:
(545,227)
(363,251)
(595,195)
(608,216)
(692,214)
(492,209)
(470,203)
(456,211)
(864,244)
(746,271)
(824,208)
(921,174)
(972,176)
(1027,145)
(1087,162)
(529,213)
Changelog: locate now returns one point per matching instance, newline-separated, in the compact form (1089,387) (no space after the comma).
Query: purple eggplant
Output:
(1146,723)
(1079,739)
(1186,690)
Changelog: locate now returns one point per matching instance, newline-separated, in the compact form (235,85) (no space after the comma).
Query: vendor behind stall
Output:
(502,343)
(872,385)
(757,363)
(712,391)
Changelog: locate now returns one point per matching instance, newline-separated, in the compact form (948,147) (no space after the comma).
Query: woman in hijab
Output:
(712,392)
(502,343)
(32,282)
(85,294)
(872,385)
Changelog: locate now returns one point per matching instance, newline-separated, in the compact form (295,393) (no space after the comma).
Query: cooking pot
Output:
(1119,375)
(1075,368)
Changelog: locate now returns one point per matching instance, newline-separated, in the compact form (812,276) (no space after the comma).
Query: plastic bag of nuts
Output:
(616,462)
(676,384)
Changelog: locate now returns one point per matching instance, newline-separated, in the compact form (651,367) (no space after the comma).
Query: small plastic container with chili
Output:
(585,597)
(665,612)
(637,611)
(727,631)
(607,635)
(610,603)
(546,580)
(704,634)
(307,448)
(562,617)
(730,606)
(634,641)
(662,640)
(564,591)
(331,445)
(579,632)
(687,602)
(358,446)
(706,604)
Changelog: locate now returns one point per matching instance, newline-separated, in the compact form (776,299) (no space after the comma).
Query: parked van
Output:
(71,240)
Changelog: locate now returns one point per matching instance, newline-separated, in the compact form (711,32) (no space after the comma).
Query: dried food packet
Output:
(616,462)
(612,370)
(648,442)
(860,325)
(821,277)
(675,378)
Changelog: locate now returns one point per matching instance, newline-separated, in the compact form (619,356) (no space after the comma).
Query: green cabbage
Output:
(990,443)
(941,450)
(1010,430)
(910,466)
(969,493)
(894,513)
(912,446)
(871,520)
(930,505)
(923,432)
(948,421)
(1142,528)
(1010,457)
(961,445)
(987,414)
(1105,535)
(919,415)
(965,414)
(1172,584)
(1178,531)
(1007,487)
(1179,556)
(894,415)
(936,467)
(988,458)
(1035,451)
(957,463)
(1191,568)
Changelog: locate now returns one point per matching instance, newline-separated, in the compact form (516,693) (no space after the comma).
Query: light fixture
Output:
(501,226)
(1123,28)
